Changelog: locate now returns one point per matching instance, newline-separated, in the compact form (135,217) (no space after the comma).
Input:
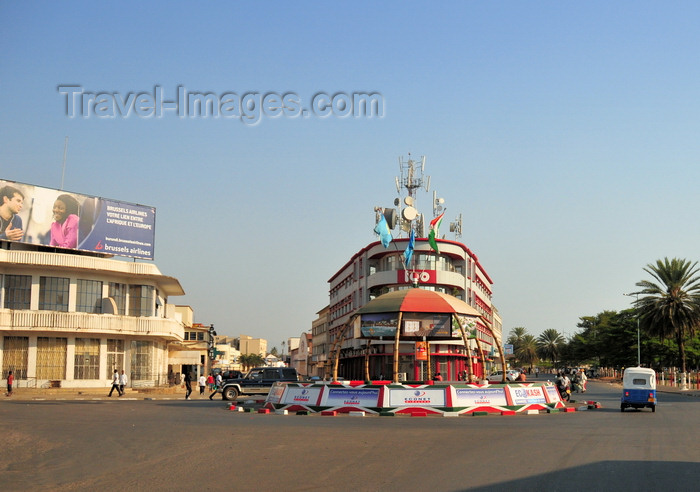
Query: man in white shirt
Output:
(123,380)
(115,384)
(202,384)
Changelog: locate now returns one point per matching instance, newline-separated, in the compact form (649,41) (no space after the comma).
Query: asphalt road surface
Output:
(200,445)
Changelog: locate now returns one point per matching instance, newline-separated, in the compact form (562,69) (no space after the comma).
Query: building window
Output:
(53,293)
(118,293)
(115,356)
(51,358)
(141,360)
(87,358)
(14,356)
(141,300)
(89,296)
(18,291)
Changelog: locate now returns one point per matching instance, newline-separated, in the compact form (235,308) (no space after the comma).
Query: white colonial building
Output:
(70,318)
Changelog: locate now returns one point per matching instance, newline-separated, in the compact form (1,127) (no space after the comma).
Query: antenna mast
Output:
(65,152)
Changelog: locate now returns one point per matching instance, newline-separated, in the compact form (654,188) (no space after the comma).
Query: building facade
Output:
(376,270)
(69,319)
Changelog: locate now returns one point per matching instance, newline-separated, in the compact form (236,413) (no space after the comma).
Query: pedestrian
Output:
(218,383)
(584,379)
(210,382)
(10,381)
(123,380)
(115,384)
(537,372)
(188,385)
(438,377)
(202,384)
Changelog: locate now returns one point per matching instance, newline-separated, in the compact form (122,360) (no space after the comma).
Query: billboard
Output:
(36,215)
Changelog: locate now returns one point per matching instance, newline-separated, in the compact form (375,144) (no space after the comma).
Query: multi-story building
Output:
(380,267)
(320,347)
(70,319)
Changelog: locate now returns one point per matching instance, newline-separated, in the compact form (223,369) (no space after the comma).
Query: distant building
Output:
(320,346)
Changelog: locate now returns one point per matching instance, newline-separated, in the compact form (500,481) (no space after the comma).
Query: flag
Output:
(382,228)
(408,253)
(434,231)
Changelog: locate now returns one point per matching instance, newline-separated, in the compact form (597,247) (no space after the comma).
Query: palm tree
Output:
(671,307)
(527,350)
(549,344)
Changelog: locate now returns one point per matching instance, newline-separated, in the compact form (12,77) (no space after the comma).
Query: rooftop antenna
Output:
(65,152)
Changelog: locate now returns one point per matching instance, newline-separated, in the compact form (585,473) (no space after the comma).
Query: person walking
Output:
(210,381)
(188,385)
(202,384)
(10,381)
(115,384)
(123,381)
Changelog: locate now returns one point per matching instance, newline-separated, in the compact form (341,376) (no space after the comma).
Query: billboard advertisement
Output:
(37,215)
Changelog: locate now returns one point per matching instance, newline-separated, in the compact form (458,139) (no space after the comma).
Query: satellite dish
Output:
(391,218)
(439,208)
(441,201)
(409,213)
(408,201)
(396,202)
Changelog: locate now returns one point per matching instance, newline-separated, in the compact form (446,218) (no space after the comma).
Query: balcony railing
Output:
(85,323)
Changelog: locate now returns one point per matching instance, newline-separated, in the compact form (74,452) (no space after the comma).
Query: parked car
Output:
(497,377)
(258,381)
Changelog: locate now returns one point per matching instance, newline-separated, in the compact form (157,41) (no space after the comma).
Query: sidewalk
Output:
(171,393)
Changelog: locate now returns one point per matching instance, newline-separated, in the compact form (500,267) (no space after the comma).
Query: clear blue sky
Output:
(566,135)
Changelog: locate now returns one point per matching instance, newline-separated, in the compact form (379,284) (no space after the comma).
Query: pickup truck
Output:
(258,381)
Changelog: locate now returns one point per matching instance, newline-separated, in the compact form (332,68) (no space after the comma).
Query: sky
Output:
(566,134)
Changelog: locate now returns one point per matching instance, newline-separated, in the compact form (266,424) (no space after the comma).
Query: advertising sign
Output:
(427,325)
(360,397)
(552,393)
(527,395)
(37,215)
(275,394)
(410,277)
(302,396)
(379,324)
(469,397)
(417,396)
(421,350)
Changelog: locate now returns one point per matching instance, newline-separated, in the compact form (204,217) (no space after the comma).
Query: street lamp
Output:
(639,353)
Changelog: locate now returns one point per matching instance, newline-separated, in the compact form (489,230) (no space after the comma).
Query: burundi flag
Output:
(382,228)
(434,231)
(408,254)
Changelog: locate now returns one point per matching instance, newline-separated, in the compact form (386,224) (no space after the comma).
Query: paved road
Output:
(199,445)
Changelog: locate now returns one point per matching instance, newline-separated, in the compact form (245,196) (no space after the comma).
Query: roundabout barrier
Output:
(383,397)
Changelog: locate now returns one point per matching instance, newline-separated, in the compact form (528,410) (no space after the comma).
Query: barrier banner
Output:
(417,396)
(469,397)
(527,395)
(337,397)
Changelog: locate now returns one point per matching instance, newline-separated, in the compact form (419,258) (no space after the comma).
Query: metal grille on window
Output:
(18,290)
(53,293)
(89,296)
(51,358)
(115,356)
(14,356)
(87,358)
(141,360)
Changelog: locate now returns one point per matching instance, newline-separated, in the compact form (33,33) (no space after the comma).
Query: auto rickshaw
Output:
(638,388)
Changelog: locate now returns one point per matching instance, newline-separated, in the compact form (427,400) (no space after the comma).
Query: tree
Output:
(550,344)
(527,350)
(274,351)
(670,308)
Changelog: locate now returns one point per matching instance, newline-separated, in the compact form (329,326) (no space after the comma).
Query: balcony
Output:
(82,324)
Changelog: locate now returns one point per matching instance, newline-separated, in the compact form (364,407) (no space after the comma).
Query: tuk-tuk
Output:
(638,388)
